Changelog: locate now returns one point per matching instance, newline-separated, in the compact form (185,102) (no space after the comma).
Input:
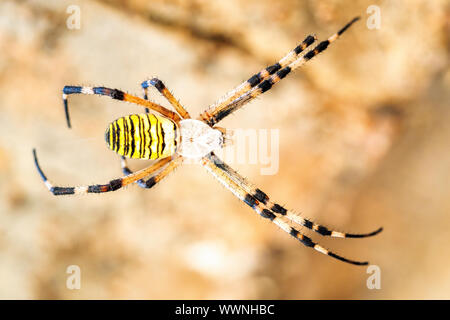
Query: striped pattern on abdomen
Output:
(143,136)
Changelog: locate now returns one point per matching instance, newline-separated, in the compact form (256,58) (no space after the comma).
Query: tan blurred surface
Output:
(364,142)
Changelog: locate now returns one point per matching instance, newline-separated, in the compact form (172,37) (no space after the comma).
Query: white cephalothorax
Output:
(198,139)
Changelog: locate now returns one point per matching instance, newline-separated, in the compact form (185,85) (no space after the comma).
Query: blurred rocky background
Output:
(364,142)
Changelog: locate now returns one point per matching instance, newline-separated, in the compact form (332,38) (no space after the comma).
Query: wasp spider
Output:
(169,137)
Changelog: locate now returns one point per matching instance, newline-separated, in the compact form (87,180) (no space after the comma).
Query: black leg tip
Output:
(374,232)
(356,263)
(350,235)
(35,157)
(377,231)
(348,25)
(36,163)
(66,111)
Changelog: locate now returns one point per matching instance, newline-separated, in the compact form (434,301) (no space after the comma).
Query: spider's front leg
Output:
(256,86)
(256,79)
(265,201)
(260,202)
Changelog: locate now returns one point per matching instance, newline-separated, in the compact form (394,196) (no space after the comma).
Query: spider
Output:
(170,137)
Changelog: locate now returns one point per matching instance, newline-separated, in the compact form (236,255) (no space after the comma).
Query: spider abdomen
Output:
(143,136)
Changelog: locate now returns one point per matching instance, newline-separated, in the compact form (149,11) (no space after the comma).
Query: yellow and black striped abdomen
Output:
(143,136)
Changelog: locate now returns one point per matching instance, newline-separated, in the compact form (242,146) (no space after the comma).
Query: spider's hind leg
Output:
(117,95)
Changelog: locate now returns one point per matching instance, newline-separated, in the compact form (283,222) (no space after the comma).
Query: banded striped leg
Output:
(147,184)
(220,171)
(145,95)
(257,78)
(113,185)
(277,209)
(175,163)
(158,84)
(126,171)
(218,114)
(118,95)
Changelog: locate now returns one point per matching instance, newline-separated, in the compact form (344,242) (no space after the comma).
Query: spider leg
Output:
(159,85)
(220,172)
(144,94)
(221,112)
(115,184)
(118,95)
(126,171)
(164,172)
(277,209)
(256,79)
(147,184)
